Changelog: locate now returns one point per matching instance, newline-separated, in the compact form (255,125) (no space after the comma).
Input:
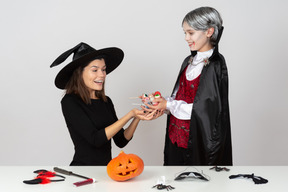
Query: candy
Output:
(148,99)
(157,94)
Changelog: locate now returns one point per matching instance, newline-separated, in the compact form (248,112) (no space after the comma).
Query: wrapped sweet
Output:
(157,94)
(148,99)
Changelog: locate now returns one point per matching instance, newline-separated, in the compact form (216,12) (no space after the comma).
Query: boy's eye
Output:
(190,33)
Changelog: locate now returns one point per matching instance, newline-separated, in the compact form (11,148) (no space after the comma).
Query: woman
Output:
(89,114)
(198,125)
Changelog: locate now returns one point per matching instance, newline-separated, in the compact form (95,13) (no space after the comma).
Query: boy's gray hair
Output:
(204,18)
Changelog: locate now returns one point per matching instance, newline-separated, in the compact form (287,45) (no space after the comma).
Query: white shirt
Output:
(181,109)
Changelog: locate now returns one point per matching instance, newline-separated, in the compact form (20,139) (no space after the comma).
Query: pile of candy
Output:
(148,99)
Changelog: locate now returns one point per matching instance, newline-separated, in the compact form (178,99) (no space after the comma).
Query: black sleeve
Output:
(79,123)
(119,139)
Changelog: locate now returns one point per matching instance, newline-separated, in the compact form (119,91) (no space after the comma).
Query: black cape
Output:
(210,131)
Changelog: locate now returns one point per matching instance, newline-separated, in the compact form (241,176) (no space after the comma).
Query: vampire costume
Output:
(209,133)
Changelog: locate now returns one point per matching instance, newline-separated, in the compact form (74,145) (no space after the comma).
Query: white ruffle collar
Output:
(201,56)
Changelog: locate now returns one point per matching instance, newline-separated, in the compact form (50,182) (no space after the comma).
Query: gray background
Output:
(34,33)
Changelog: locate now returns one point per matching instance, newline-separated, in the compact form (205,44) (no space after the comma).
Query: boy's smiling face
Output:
(198,40)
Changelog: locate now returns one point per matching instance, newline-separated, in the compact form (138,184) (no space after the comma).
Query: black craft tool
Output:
(56,169)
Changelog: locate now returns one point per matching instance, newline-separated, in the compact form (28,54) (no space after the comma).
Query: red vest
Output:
(179,129)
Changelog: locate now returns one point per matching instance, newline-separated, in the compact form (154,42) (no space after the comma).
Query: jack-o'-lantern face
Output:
(125,166)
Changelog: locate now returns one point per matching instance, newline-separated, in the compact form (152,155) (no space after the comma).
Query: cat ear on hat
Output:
(65,55)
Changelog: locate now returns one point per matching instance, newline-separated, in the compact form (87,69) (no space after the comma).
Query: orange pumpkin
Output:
(125,166)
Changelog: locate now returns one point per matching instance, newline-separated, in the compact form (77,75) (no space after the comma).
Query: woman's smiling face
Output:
(94,75)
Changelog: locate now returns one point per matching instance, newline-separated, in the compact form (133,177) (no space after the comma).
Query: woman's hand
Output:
(144,115)
(161,105)
(158,113)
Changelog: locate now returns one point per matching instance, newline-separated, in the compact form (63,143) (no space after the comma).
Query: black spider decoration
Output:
(218,169)
(161,186)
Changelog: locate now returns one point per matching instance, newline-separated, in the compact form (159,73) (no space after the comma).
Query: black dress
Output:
(86,125)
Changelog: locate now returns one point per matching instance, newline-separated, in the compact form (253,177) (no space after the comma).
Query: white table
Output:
(11,179)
